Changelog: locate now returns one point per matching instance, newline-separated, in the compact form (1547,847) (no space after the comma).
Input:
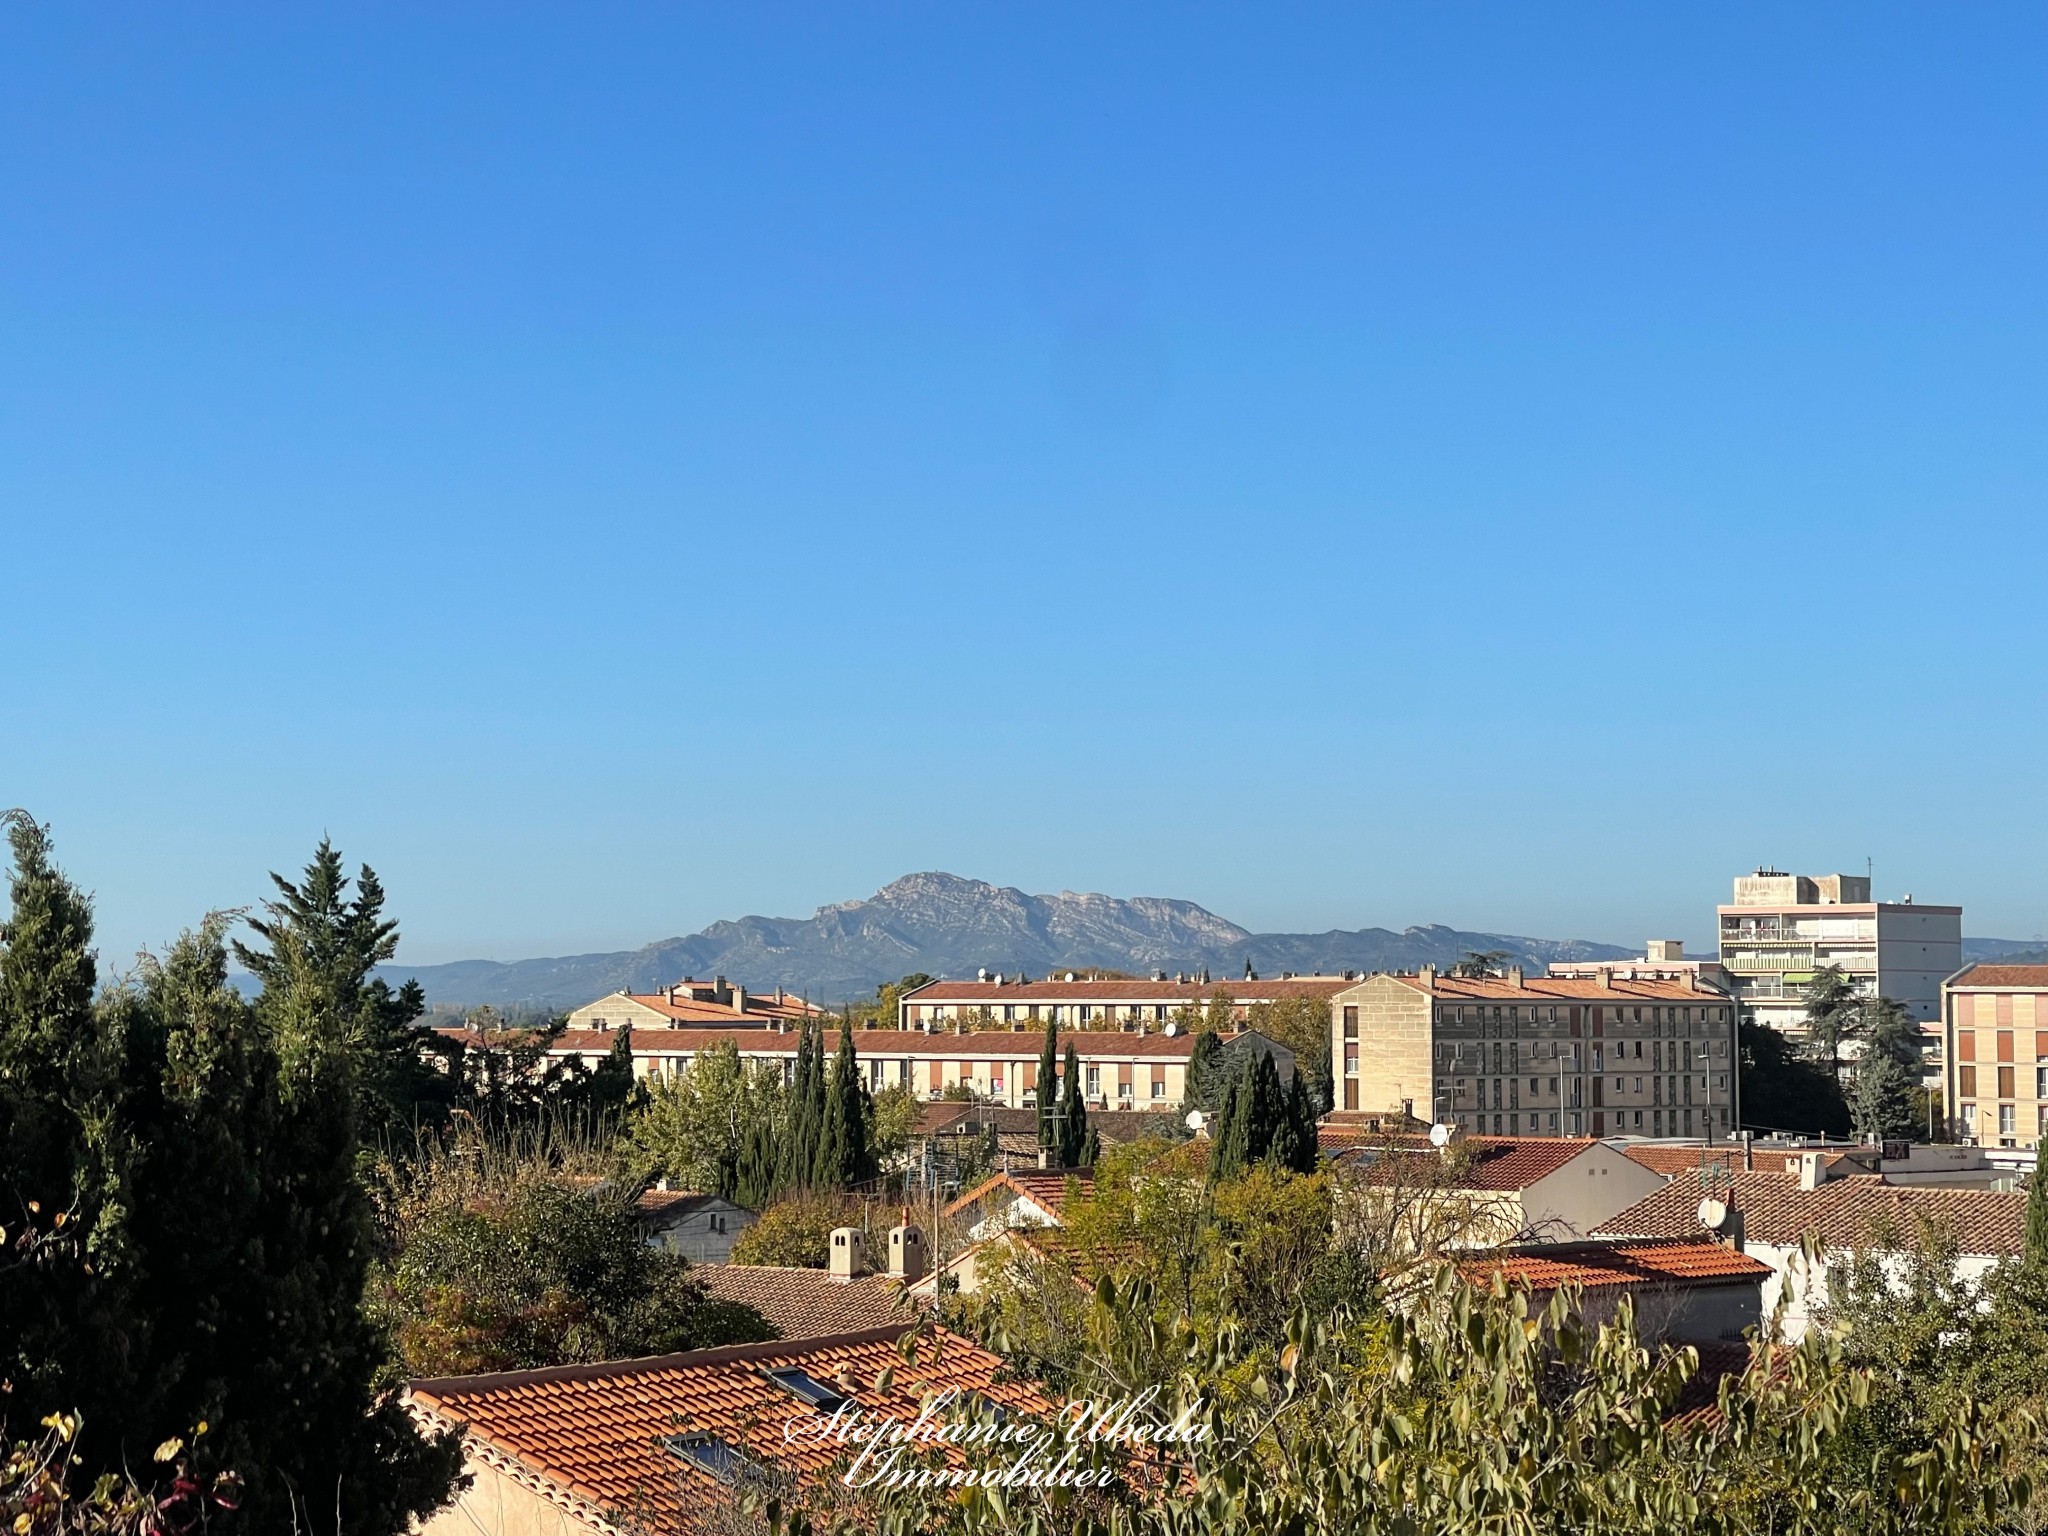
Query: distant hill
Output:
(947,926)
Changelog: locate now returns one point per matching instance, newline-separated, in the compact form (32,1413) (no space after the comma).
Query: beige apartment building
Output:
(1995,1054)
(1512,1055)
(1121,1069)
(1075,1001)
(713,1004)
(1782,928)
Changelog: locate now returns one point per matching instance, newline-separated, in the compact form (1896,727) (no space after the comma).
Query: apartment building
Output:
(1663,960)
(1782,928)
(714,1004)
(1540,1056)
(1077,1001)
(1995,1054)
(1121,1069)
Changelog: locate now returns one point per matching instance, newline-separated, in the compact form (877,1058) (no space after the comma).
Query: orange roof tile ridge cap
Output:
(437,1389)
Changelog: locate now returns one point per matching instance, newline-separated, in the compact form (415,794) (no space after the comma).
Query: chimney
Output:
(1515,977)
(1044,1158)
(847,1260)
(1606,974)
(1426,974)
(739,999)
(906,1254)
(1813,1170)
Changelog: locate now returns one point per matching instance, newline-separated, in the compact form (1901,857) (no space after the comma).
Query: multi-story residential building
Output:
(1995,1054)
(1121,1069)
(1663,960)
(1543,1056)
(1076,1001)
(713,1004)
(1782,928)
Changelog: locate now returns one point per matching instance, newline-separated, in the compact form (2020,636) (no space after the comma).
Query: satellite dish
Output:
(1439,1135)
(1196,1120)
(1712,1213)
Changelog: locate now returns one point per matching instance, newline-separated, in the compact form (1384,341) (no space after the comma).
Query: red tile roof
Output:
(2002,976)
(1562,989)
(1596,1266)
(1043,1187)
(1496,1162)
(998,1045)
(1670,1159)
(1853,1212)
(589,1437)
(1241,992)
(808,1303)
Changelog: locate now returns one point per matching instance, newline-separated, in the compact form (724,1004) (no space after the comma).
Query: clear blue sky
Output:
(615,467)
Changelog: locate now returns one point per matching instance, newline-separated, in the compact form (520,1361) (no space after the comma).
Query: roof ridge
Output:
(443,1387)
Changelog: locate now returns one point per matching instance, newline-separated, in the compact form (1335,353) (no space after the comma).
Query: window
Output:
(710,1454)
(1094,1080)
(803,1385)
(1535,1086)
(2005,1082)
(1639,1119)
(2041,1082)
(1158,1085)
(2006,1120)
(1966,1081)
(1350,1023)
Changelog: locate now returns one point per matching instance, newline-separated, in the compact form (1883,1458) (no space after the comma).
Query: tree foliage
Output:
(506,1270)
(1785,1091)
(197,1237)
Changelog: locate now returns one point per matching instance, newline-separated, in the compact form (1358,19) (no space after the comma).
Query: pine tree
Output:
(1048,1107)
(1832,1009)
(1881,1083)
(345,1453)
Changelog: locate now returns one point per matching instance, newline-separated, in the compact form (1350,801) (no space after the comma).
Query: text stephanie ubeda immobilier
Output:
(1029,1453)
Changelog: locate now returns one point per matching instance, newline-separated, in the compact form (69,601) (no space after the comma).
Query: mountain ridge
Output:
(947,925)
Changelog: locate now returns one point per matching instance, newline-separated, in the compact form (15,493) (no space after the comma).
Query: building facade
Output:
(1121,1070)
(1780,929)
(1543,1056)
(717,1003)
(1995,1054)
(1075,1001)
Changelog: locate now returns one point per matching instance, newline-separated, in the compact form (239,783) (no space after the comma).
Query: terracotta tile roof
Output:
(1597,1266)
(1851,1212)
(1043,1187)
(2003,976)
(808,1303)
(1563,989)
(1497,1162)
(590,1436)
(944,1117)
(1241,992)
(1671,1159)
(998,1045)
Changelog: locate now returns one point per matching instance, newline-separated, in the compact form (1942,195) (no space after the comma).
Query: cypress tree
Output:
(611,1086)
(1048,1062)
(2034,1249)
(798,1155)
(69,1325)
(1300,1152)
(1227,1139)
(1264,1107)
(1073,1122)
(1204,1073)
(843,1157)
(755,1179)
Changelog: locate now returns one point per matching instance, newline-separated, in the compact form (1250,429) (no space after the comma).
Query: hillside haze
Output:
(947,926)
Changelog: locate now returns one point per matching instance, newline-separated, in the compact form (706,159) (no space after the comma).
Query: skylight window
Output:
(801,1384)
(710,1454)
